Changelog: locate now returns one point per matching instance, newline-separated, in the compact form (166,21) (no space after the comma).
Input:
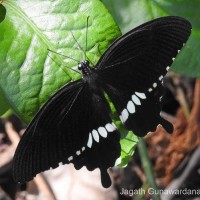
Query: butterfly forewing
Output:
(136,64)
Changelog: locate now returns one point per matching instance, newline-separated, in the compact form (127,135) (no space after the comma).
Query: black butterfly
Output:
(75,126)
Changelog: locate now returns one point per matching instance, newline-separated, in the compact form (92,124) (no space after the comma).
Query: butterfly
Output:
(75,125)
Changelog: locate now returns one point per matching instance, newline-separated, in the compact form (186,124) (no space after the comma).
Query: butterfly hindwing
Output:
(136,64)
(73,127)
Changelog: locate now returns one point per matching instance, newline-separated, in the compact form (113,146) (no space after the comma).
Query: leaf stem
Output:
(146,163)
(183,102)
(181,97)
(141,196)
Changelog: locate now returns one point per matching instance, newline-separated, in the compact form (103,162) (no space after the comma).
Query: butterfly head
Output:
(84,67)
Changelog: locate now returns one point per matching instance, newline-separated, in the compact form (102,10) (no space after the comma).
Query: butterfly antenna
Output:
(63,55)
(64,66)
(86,36)
(80,48)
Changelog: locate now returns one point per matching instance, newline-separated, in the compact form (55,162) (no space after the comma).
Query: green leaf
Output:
(130,14)
(128,144)
(128,140)
(28,76)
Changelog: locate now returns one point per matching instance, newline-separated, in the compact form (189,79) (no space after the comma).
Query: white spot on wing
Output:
(124,115)
(167,68)
(141,95)
(136,100)
(95,135)
(160,78)
(60,163)
(70,158)
(154,85)
(131,107)
(102,131)
(89,143)
(179,51)
(110,127)
(78,153)
(173,59)
(150,90)
(83,148)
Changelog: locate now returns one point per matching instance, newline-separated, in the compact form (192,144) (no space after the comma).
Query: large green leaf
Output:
(4,106)
(131,13)
(28,76)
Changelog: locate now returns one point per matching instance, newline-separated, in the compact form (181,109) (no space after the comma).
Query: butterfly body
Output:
(75,125)
(85,68)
